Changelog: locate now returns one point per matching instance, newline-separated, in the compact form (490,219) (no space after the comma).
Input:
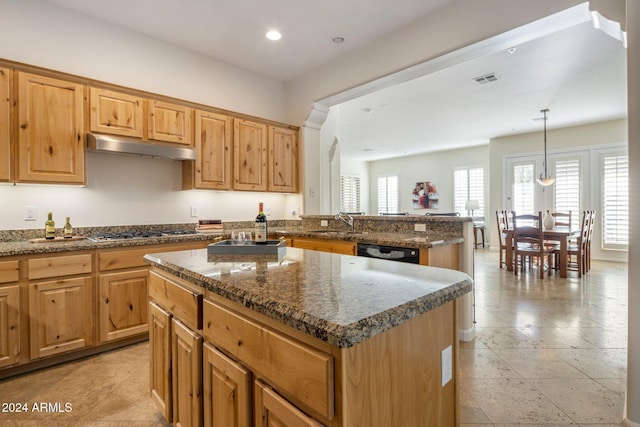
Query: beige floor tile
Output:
(515,401)
(597,363)
(484,363)
(556,337)
(538,363)
(584,400)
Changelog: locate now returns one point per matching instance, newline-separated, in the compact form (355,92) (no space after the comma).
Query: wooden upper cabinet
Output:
(116,113)
(5,124)
(212,167)
(283,159)
(170,122)
(51,146)
(250,155)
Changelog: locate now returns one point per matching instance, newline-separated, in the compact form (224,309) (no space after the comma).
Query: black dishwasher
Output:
(393,253)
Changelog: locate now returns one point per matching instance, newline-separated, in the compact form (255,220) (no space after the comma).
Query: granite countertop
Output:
(25,247)
(22,246)
(415,240)
(340,299)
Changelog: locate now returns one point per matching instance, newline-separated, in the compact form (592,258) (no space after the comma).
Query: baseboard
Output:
(627,423)
(468,335)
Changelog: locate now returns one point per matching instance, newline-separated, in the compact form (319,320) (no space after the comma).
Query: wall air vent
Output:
(487,78)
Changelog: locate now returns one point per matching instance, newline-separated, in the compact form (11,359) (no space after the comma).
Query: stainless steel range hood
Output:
(122,145)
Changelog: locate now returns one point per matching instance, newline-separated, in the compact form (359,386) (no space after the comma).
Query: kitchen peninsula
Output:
(319,338)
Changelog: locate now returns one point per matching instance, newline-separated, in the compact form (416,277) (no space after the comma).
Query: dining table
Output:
(560,234)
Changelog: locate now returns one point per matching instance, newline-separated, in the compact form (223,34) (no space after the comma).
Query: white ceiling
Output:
(578,73)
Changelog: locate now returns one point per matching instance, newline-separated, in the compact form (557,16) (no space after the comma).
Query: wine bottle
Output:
(67,232)
(261,226)
(50,227)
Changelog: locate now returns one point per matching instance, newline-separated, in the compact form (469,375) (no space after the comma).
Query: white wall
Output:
(128,190)
(124,190)
(437,167)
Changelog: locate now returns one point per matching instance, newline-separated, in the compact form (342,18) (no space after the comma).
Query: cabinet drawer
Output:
(131,258)
(297,370)
(9,271)
(184,303)
(68,265)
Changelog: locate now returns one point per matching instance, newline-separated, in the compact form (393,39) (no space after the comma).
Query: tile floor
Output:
(548,352)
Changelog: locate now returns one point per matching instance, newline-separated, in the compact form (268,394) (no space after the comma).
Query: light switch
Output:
(447,365)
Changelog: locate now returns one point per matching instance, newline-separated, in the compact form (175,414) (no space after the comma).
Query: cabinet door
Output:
(249,155)
(212,167)
(116,113)
(325,245)
(227,391)
(186,349)
(170,122)
(61,316)
(272,410)
(283,159)
(123,304)
(51,146)
(9,325)
(160,359)
(5,122)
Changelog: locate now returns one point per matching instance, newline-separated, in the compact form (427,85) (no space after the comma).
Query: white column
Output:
(313,158)
(632,407)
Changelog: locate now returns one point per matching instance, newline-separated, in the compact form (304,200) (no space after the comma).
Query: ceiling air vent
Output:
(487,78)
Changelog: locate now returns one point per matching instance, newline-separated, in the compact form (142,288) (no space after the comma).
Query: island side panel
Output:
(394,378)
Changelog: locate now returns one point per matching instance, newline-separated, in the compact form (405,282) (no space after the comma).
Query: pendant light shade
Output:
(545,179)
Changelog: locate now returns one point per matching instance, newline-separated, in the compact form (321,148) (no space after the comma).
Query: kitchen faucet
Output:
(349,219)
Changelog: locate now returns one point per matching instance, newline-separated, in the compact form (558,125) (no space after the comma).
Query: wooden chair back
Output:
(561,218)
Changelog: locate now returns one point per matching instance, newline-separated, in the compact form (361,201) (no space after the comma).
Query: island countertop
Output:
(340,299)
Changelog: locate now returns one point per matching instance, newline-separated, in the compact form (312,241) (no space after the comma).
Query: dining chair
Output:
(592,221)
(561,218)
(528,242)
(577,252)
(501,217)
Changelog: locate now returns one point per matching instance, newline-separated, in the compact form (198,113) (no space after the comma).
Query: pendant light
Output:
(545,179)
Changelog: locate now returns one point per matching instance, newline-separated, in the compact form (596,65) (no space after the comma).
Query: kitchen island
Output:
(314,338)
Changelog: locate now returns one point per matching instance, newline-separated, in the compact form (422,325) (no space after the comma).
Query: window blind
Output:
(615,201)
(387,194)
(568,188)
(468,184)
(350,193)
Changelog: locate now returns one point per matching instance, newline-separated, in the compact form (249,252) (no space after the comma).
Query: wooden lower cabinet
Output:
(186,352)
(61,316)
(334,246)
(123,304)
(447,256)
(9,325)
(272,410)
(160,359)
(176,360)
(227,390)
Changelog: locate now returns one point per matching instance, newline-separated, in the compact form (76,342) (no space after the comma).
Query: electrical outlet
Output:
(447,365)
(324,223)
(30,213)
(312,192)
(194,211)
(420,227)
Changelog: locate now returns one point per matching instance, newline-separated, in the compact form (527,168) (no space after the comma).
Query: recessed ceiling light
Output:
(273,35)
(512,50)
(338,39)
